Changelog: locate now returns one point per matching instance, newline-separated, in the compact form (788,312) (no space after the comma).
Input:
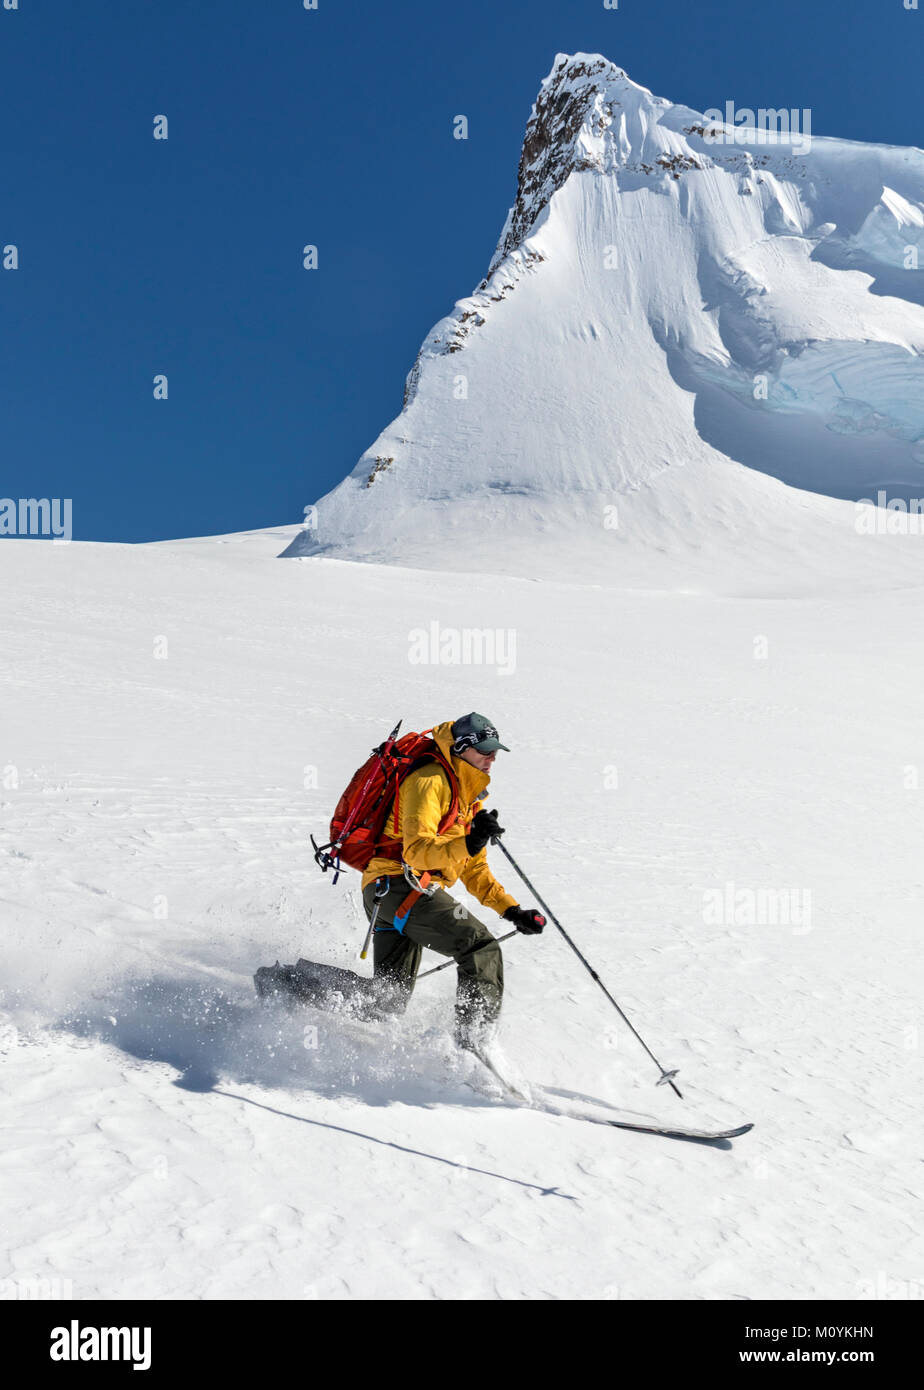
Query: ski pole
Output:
(477,947)
(667,1076)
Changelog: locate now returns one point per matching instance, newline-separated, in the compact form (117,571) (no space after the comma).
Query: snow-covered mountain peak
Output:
(588,115)
(674,295)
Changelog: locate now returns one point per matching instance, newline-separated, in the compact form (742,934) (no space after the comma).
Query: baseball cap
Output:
(476,731)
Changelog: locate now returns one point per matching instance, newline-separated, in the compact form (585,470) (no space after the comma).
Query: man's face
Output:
(483,761)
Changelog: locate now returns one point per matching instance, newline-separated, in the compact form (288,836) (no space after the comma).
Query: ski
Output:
(324,986)
(664,1131)
(703,1136)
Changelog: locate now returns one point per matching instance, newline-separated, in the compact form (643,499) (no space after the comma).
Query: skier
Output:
(409,915)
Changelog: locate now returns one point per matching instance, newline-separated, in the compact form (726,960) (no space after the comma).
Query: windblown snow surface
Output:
(709,674)
(164,1137)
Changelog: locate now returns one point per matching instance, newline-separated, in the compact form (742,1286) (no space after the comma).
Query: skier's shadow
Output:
(401,1148)
(184,1025)
(203,1035)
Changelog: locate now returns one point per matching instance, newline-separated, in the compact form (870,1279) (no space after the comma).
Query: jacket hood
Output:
(472,783)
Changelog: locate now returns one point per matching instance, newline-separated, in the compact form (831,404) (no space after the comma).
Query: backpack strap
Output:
(394,849)
(452,813)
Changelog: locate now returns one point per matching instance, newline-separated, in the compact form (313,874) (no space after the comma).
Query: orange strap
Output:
(403,912)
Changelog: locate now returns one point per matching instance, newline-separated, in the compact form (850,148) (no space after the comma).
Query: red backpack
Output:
(357,828)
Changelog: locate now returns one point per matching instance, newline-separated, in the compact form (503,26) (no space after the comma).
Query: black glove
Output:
(484,828)
(525,919)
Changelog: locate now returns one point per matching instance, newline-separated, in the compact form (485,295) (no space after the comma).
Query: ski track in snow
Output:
(165,1137)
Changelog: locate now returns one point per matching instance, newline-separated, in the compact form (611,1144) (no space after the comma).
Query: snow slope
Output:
(164,1138)
(674,336)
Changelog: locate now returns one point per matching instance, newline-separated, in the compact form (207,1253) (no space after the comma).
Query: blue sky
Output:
(331,127)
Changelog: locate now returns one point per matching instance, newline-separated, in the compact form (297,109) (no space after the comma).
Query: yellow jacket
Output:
(423,800)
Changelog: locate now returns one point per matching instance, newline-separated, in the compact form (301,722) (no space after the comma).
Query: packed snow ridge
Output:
(672,296)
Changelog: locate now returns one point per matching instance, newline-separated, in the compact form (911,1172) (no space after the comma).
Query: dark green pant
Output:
(446,926)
